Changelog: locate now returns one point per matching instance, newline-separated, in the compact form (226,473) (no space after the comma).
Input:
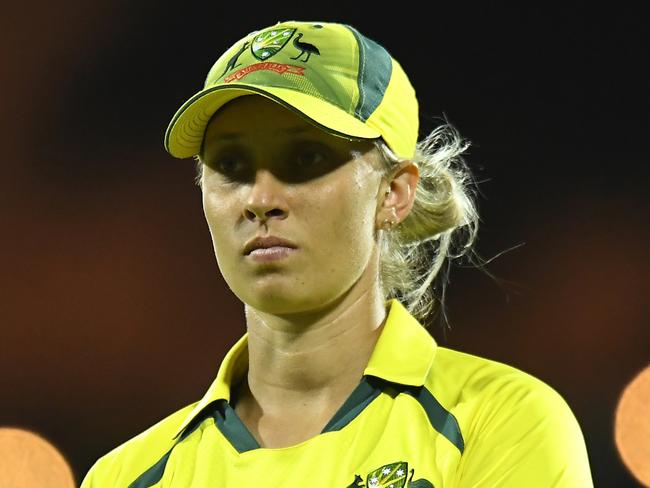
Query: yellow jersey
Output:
(422,416)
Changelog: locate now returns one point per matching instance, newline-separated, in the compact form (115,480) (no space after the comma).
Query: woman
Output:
(321,204)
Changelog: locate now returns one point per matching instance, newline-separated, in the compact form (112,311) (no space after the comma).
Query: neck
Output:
(315,358)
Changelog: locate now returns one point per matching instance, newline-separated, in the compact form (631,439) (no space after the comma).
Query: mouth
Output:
(269,254)
(267,242)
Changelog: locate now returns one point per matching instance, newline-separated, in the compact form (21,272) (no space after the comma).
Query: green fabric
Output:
(441,420)
(375,70)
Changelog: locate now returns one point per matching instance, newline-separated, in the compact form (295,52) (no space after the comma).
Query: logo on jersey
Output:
(390,476)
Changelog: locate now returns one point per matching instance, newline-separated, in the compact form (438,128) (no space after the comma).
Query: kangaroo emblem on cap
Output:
(232,63)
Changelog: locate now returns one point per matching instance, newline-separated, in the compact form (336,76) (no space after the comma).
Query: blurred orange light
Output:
(29,461)
(632,426)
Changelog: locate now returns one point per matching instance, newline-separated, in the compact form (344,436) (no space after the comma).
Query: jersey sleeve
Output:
(93,479)
(524,434)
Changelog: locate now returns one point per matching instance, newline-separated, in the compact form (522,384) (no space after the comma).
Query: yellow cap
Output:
(330,73)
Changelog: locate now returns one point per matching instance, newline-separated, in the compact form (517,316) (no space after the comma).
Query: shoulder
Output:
(127,461)
(481,379)
(492,390)
(514,425)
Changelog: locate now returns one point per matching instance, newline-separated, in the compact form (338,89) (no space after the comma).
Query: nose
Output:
(266,198)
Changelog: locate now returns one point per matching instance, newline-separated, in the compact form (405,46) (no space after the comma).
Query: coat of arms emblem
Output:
(267,44)
(390,476)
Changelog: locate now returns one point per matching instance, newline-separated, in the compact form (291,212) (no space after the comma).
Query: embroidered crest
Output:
(390,476)
(269,43)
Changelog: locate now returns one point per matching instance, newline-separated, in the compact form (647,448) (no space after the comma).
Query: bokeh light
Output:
(27,460)
(632,426)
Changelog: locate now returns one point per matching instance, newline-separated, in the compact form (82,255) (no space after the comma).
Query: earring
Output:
(386,222)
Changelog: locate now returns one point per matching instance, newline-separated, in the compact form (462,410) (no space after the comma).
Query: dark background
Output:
(113,310)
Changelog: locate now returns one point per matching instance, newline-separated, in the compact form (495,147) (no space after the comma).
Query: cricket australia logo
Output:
(264,46)
(390,476)
(269,43)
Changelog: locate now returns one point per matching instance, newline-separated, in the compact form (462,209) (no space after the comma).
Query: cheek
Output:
(359,202)
(345,223)
(216,215)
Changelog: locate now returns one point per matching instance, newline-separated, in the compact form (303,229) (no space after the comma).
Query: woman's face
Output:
(269,172)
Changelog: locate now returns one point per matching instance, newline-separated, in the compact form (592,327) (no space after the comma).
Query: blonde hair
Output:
(441,226)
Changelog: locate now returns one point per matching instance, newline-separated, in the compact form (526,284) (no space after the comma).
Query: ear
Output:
(402,185)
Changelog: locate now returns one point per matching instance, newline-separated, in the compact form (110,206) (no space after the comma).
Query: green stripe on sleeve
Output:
(441,419)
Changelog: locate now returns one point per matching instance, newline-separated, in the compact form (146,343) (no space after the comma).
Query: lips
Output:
(266,242)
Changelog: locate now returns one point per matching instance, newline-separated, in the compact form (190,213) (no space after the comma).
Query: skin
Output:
(314,317)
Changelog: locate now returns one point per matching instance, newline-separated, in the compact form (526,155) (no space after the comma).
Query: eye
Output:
(227,165)
(310,158)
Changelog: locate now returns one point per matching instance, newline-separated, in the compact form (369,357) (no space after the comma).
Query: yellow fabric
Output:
(397,116)
(516,431)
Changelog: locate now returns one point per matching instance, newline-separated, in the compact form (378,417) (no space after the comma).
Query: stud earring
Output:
(388,223)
